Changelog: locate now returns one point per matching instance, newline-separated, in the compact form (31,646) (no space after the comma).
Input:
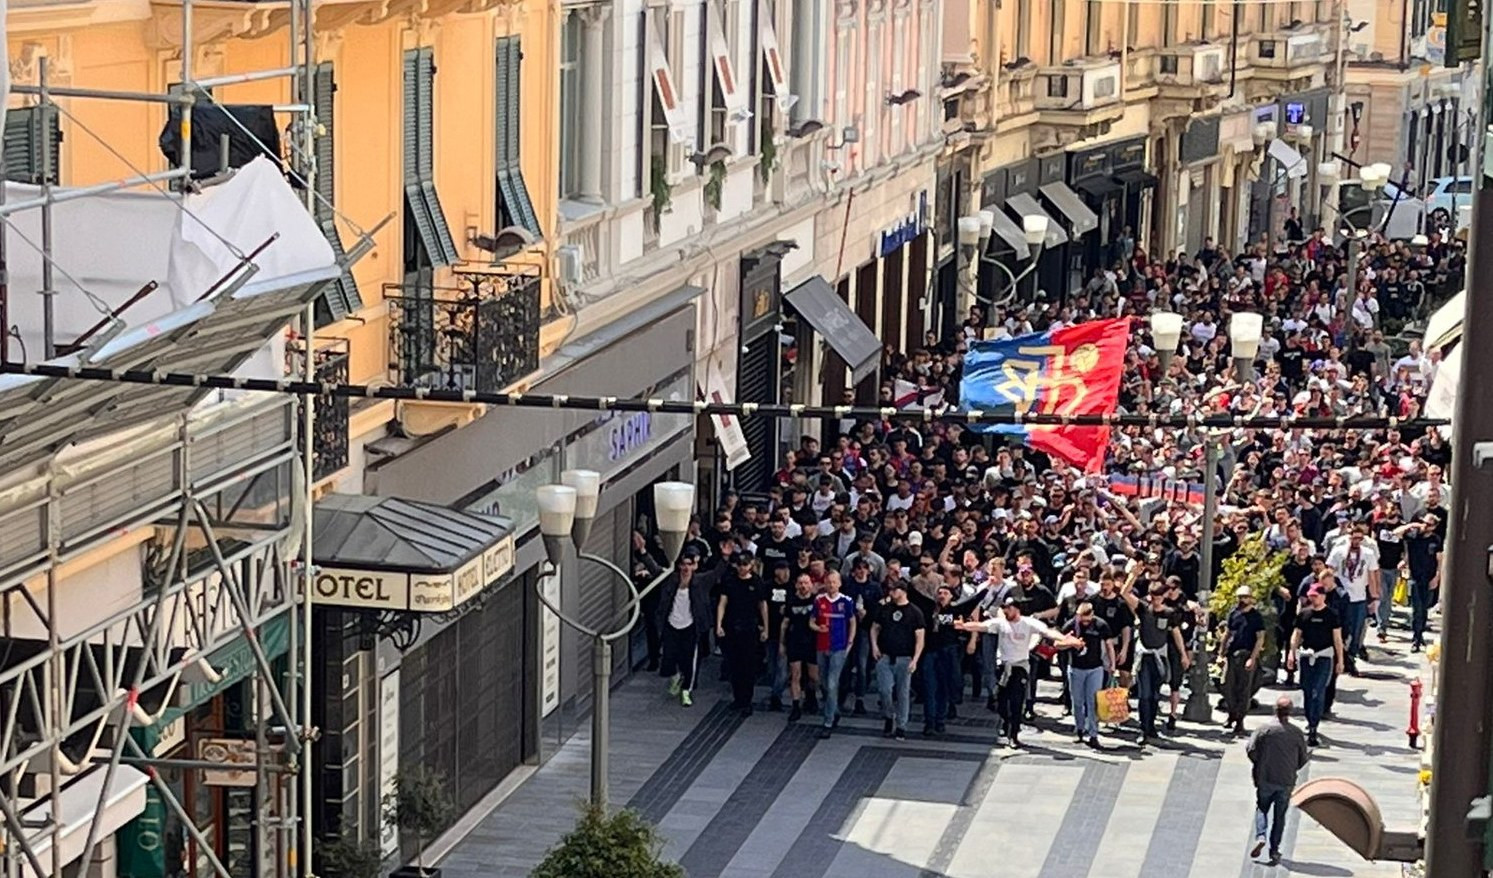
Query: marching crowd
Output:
(927,562)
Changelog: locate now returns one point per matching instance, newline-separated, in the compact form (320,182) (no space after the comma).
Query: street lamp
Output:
(1033,231)
(1166,334)
(567,511)
(1245,330)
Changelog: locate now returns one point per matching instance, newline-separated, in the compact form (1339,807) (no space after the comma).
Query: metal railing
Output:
(481,334)
(329,447)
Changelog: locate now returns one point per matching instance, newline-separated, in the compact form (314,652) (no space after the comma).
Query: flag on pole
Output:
(1075,370)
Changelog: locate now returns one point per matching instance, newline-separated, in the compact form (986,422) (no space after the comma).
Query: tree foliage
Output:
(602,845)
(1257,566)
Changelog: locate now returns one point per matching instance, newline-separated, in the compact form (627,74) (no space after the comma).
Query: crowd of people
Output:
(927,562)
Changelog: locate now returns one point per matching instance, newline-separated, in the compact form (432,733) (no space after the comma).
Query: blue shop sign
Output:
(905,230)
(630,434)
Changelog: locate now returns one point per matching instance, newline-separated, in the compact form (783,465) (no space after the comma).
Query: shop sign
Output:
(388,755)
(237,757)
(993,187)
(1019,179)
(416,592)
(1093,163)
(904,230)
(759,296)
(620,438)
(1129,154)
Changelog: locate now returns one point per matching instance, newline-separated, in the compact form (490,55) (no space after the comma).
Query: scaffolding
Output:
(227,494)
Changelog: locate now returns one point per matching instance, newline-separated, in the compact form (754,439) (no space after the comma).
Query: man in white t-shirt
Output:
(1356,563)
(1015,636)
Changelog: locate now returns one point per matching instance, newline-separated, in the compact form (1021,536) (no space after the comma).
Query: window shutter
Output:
(444,251)
(411,117)
(26,140)
(514,205)
(341,297)
(720,53)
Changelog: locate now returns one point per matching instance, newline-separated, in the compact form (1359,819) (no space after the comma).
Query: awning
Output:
(1071,206)
(1026,205)
(1137,178)
(1008,231)
(1290,161)
(852,339)
(75,808)
(1099,187)
(391,554)
(1445,326)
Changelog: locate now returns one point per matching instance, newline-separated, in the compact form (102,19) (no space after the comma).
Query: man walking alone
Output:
(1244,636)
(1279,752)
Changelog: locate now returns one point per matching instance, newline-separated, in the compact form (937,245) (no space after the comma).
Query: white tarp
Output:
(1445,326)
(114,244)
(1441,402)
(1290,161)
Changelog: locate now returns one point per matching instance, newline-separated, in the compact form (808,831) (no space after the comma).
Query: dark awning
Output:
(1136,178)
(853,340)
(392,554)
(1008,231)
(1025,205)
(1099,187)
(1071,206)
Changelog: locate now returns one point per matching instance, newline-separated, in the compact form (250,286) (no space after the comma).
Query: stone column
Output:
(593,61)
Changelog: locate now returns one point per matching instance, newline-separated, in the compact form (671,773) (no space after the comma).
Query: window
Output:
(431,244)
(1057,86)
(670,126)
(1132,23)
(33,146)
(340,297)
(572,36)
(514,207)
(1055,40)
(774,76)
(1093,32)
(1169,23)
(1023,29)
(1205,13)
(727,100)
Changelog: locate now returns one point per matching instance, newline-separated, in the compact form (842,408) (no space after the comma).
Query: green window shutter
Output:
(441,248)
(411,116)
(30,134)
(514,205)
(341,297)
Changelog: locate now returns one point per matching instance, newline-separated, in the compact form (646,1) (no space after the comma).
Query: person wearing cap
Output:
(741,628)
(1423,551)
(864,552)
(1356,563)
(1317,646)
(1014,635)
(684,615)
(779,589)
(1243,639)
(1158,636)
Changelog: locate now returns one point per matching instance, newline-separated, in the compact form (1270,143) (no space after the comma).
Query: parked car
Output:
(1444,197)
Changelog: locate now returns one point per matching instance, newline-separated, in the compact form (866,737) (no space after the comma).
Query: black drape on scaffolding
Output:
(210,124)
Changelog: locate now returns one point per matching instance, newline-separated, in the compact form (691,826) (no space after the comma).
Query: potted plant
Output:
(714,183)
(602,845)
(658,186)
(421,805)
(348,856)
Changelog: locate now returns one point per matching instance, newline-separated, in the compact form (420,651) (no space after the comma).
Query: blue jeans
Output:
(1315,675)
(894,679)
(1385,613)
(941,679)
(777,670)
(1083,686)
(989,667)
(831,663)
(1420,605)
(1355,616)
(1270,811)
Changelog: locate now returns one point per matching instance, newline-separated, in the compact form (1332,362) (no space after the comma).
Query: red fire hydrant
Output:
(1414,730)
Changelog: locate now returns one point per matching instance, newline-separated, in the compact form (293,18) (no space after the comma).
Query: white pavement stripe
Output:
(902,824)
(765,848)
(703,800)
(1026,802)
(1230,820)
(1133,820)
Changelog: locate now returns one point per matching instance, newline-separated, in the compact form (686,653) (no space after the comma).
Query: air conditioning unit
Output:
(568,265)
(1192,65)
(1079,86)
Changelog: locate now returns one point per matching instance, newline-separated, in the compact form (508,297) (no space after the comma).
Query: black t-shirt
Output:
(1316,627)
(1421,548)
(1113,612)
(1244,627)
(742,595)
(1154,626)
(1091,654)
(777,594)
(899,625)
(1290,360)
(941,631)
(1037,598)
(771,551)
(1188,568)
(798,611)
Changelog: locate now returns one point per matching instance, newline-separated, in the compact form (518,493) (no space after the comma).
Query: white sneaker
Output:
(674,686)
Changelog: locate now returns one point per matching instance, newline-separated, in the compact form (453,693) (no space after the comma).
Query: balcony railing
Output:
(329,447)
(480,334)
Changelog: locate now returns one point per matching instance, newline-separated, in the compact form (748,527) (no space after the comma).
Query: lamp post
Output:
(1372,179)
(978,230)
(1166,334)
(568,510)
(1245,331)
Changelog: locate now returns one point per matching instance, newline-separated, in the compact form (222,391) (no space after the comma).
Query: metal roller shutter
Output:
(755,376)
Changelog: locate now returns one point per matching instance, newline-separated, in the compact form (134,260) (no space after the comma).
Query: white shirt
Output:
(680,614)
(1067,590)
(1353,568)
(1015,639)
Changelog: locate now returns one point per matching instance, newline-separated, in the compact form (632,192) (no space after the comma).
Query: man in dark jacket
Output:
(1279,752)
(684,616)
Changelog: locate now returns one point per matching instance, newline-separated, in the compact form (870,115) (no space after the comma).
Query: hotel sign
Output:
(416,592)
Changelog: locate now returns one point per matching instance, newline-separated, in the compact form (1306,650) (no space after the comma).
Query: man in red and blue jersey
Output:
(834,623)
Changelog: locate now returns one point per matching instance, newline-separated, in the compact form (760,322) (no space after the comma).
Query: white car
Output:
(1444,197)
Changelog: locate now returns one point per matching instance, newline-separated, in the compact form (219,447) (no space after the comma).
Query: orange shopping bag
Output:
(1113,705)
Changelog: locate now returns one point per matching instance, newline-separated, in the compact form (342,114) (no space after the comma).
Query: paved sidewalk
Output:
(757,798)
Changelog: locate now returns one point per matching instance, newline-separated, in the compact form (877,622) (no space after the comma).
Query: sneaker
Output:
(1312,740)
(775,704)
(795,714)
(1015,742)
(824,733)
(1257,848)
(1171,724)
(1275,858)
(953,712)
(900,734)
(886,726)
(1093,743)
(860,707)
(684,698)
(675,685)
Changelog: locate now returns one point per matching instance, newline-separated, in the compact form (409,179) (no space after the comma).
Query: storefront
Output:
(1007,243)
(947,207)
(1237,148)
(1303,122)
(760,363)
(1197,182)
(1113,182)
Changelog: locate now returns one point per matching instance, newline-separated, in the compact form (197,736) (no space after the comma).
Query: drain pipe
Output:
(1234,52)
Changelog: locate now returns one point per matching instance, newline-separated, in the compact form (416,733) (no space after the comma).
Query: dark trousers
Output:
(680,654)
(1150,672)
(1420,605)
(941,678)
(1041,668)
(1238,685)
(649,621)
(741,653)
(1010,700)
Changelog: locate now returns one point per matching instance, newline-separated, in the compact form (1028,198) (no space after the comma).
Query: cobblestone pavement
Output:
(759,798)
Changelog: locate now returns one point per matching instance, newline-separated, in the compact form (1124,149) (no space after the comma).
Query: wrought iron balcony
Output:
(481,334)
(329,447)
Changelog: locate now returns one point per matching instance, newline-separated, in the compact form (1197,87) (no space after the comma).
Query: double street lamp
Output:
(567,511)
(974,236)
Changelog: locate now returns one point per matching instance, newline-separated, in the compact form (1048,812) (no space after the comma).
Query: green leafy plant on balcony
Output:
(767,137)
(714,184)
(658,186)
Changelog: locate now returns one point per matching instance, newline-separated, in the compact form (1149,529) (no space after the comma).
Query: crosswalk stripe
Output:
(1026,802)
(1231,811)
(1134,816)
